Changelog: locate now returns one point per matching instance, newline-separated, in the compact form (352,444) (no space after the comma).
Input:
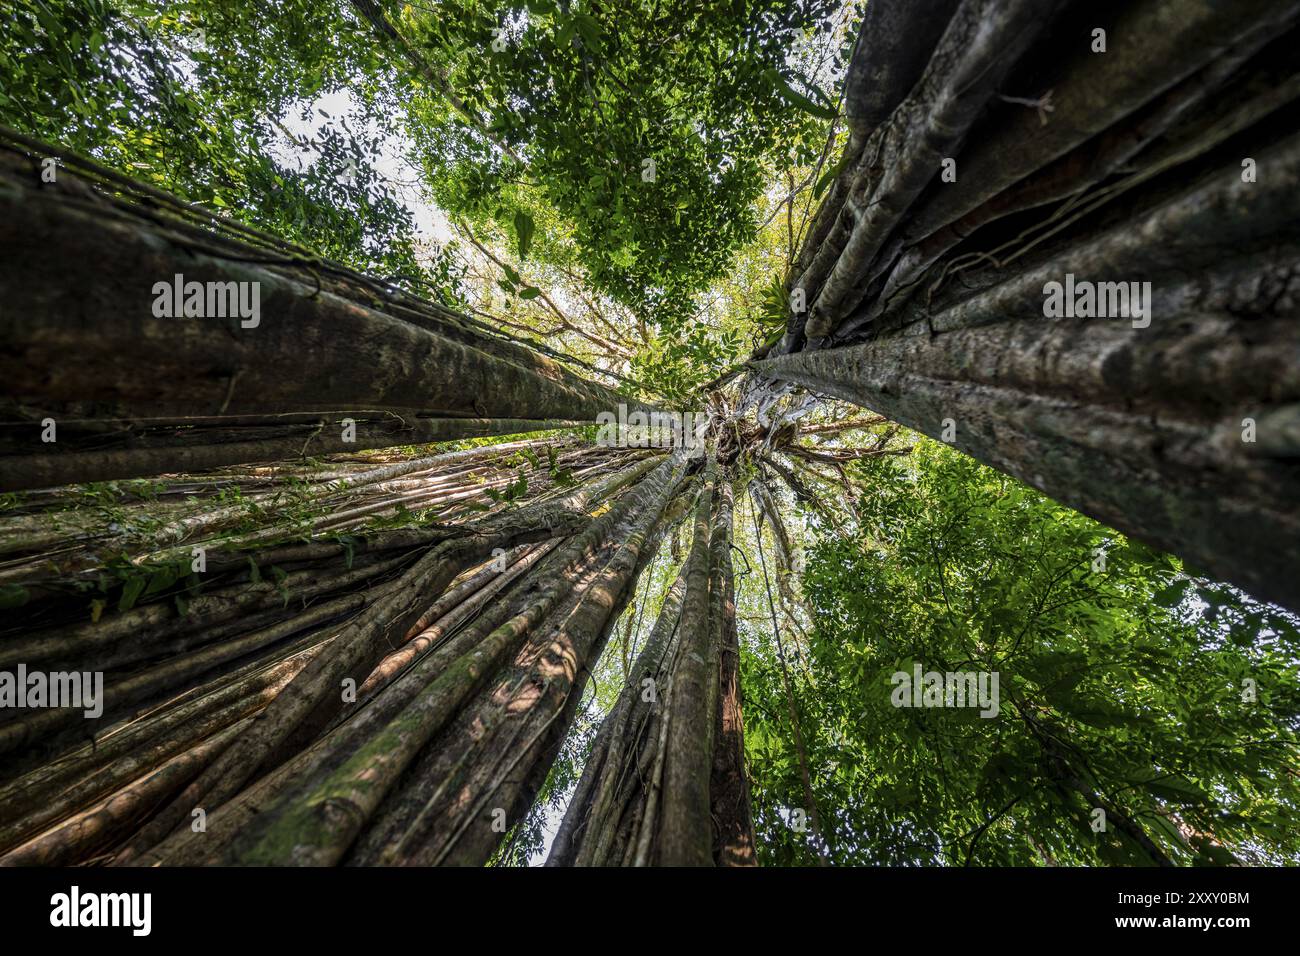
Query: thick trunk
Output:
(313,699)
(1062,125)
(1140,430)
(1167,164)
(685,835)
(611,816)
(416,777)
(733,842)
(269,651)
(78,269)
(981,44)
(150,449)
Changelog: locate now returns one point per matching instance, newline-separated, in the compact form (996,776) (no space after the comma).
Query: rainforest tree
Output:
(355,579)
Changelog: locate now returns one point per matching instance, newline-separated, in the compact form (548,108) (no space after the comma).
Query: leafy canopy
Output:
(1123,684)
(650,127)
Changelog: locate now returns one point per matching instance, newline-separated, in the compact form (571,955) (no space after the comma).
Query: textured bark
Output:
(733,842)
(94,797)
(312,700)
(600,825)
(1249,266)
(616,814)
(48,548)
(455,607)
(230,700)
(1140,429)
(893,47)
(1074,117)
(896,41)
(929,295)
(52,792)
(979,47)
(665,783)
(155,630)
(47,726)
(446,780)
(685,835)
(100,826)
(542,690)
(1151,46)
(1212,105)
(62,463)
(77,272)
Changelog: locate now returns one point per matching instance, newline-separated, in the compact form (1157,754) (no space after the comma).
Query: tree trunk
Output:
(665,783)
(147,394)
(1170,159)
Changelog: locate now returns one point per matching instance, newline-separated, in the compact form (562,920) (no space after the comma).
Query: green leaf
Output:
(828,177)
(530,292)
(162,579)
(1176,790)
(1172,594)
(524,228)
(795,98)
(589,29)
(131,592)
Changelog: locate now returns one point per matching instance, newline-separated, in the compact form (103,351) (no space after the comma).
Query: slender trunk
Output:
(455,746)
(665,782)
(733,843)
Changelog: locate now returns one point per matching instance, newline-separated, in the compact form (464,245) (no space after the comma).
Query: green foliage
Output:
(220,102)
(524,229)
(193,97)
(512,492)
(527,839)
(1120,679)
(590,96)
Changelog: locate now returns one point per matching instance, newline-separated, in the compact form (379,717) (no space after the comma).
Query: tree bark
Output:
(733,842)
(77,272)
(1169,159)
